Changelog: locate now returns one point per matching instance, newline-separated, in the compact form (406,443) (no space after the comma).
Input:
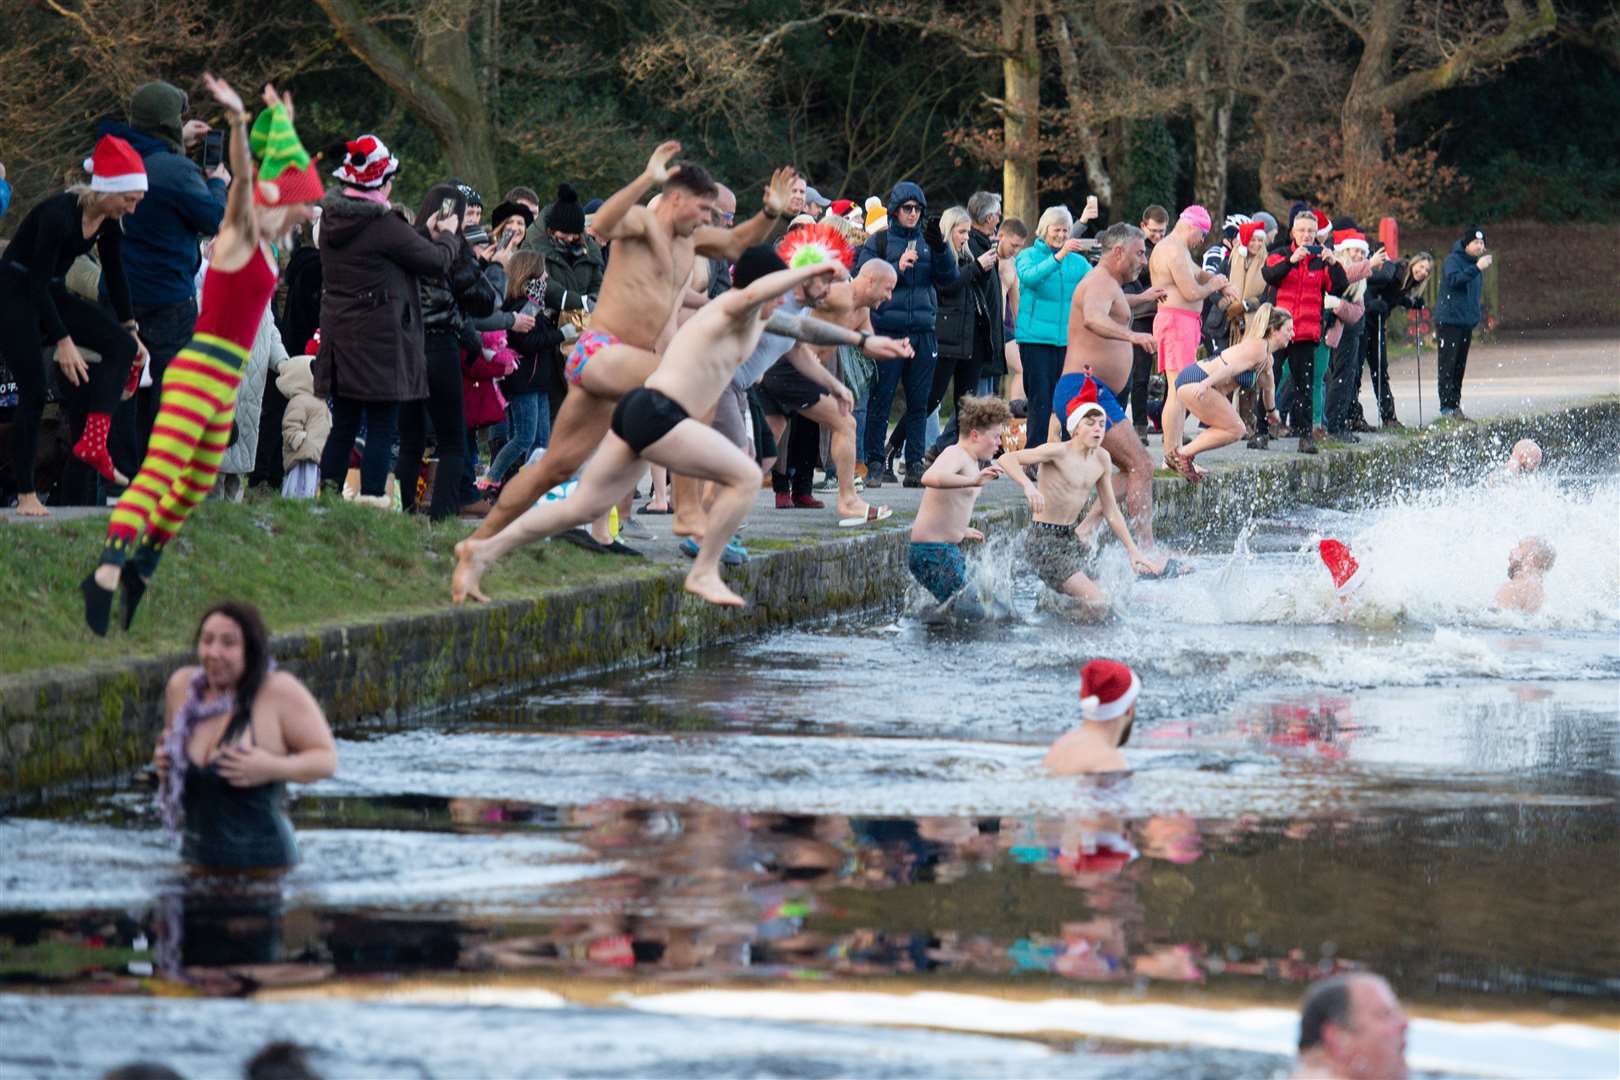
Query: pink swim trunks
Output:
(589,344)
(1175,334)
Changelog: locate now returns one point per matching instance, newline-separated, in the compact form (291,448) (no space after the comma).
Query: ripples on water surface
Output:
(1418,785)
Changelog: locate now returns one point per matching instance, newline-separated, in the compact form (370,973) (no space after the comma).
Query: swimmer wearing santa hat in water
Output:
(1108,692)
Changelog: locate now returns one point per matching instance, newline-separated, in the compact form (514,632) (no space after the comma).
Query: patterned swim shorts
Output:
(589,344)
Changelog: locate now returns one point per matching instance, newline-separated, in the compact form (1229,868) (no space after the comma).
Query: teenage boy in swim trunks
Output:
(653,252)
(950,488)
(1173,269)
(1100,341)
(656,423)
(1068,472)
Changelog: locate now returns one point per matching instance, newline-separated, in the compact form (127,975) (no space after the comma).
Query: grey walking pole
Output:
(1420,380)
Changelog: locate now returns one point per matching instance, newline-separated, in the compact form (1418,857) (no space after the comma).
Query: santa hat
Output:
(1347,573)
(115,167)
(1083,402)
(876,216)
(1344,239)
(368,164)
(1322,223)
(1108,689)
(1246,232)
(312,347)
(286,174)
(817,242)
(842,207)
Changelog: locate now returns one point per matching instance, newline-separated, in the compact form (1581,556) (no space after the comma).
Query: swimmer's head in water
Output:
(1533,554)
(1108,691)
(756,262)
(1526,457)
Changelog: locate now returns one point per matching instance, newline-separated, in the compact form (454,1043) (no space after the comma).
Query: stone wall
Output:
(70,728)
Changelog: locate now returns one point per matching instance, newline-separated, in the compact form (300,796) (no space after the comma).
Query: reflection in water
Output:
(1430,795)
(694,889)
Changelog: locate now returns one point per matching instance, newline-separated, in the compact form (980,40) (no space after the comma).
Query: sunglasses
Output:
(910,207)
(727,218)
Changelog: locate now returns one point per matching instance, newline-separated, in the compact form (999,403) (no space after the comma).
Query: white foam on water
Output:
(58,866)
(1436,557)
(1493,1048)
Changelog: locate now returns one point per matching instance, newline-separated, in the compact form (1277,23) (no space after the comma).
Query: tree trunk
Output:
(438,84)
(1098,180)
(1212,136)
(1271,195)
(1374,89)
(1021,71)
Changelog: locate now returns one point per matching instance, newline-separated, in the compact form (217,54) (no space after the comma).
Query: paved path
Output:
(1516,373)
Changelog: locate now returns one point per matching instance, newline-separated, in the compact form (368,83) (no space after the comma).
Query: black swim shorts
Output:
(785,391)
(644,416)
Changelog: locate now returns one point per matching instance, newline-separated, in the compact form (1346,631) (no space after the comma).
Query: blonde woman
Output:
(962,325)
(1205,387)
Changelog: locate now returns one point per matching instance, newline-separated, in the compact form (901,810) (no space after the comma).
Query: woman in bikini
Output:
(1205,389)
(236,731)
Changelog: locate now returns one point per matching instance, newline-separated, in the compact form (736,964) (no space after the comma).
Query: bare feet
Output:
(711,589)
(468,573)
(30,506)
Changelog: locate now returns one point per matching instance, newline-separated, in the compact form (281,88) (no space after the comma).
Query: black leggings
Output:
(380,419)
(90,327)
(1300,357)
(443,408)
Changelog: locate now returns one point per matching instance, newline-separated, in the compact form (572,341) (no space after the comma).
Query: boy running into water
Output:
(1069,472)
(950,488)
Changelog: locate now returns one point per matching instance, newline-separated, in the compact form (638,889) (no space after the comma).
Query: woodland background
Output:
(1433,111)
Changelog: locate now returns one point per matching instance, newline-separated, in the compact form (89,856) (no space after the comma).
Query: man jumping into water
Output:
(653,251)
(1528,564)
(1100,340)
(1068,472)
(657,422)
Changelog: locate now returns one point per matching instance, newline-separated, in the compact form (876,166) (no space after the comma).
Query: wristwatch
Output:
(861,345)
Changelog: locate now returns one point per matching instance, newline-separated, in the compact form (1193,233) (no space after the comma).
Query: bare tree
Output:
(1410,51)
(434,76)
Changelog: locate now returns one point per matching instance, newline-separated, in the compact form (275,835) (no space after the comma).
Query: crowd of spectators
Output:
(416,367)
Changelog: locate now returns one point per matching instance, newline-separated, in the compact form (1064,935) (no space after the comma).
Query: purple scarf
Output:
(193,711)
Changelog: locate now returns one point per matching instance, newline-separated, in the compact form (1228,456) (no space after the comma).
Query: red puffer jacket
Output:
(1299,288)
(483,404)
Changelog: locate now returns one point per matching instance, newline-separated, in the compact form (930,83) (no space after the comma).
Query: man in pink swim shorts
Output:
(1173,269)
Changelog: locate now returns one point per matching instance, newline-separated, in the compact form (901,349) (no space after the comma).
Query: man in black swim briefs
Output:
(655,423)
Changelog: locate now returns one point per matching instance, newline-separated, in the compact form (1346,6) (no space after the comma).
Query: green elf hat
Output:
(286,175)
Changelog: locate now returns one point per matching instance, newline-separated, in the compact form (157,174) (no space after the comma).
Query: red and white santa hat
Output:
(368,163)
(115,167)
(1108,689)
(1348,576)
(1083,402)
(1247,230)
(1345,239)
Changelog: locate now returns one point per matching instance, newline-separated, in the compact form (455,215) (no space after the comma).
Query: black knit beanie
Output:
(566,215)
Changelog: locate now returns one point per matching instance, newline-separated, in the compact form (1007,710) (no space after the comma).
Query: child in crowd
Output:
(950,488)
(304,427)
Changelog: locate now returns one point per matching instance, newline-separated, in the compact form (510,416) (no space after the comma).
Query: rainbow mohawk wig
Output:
(809,245)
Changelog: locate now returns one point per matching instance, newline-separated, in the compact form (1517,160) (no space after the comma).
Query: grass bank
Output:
(306,565)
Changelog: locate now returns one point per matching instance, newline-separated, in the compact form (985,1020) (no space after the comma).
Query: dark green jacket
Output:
(572,276)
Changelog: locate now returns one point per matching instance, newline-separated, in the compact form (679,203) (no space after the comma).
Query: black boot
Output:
(97,605)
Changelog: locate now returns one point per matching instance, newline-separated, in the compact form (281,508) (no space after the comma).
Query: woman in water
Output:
(1205,389)
(236,731)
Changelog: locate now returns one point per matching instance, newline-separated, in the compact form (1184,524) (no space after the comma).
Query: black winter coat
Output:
(989,286)
(450,299)
(536,351)
(957,319)
(371,309)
